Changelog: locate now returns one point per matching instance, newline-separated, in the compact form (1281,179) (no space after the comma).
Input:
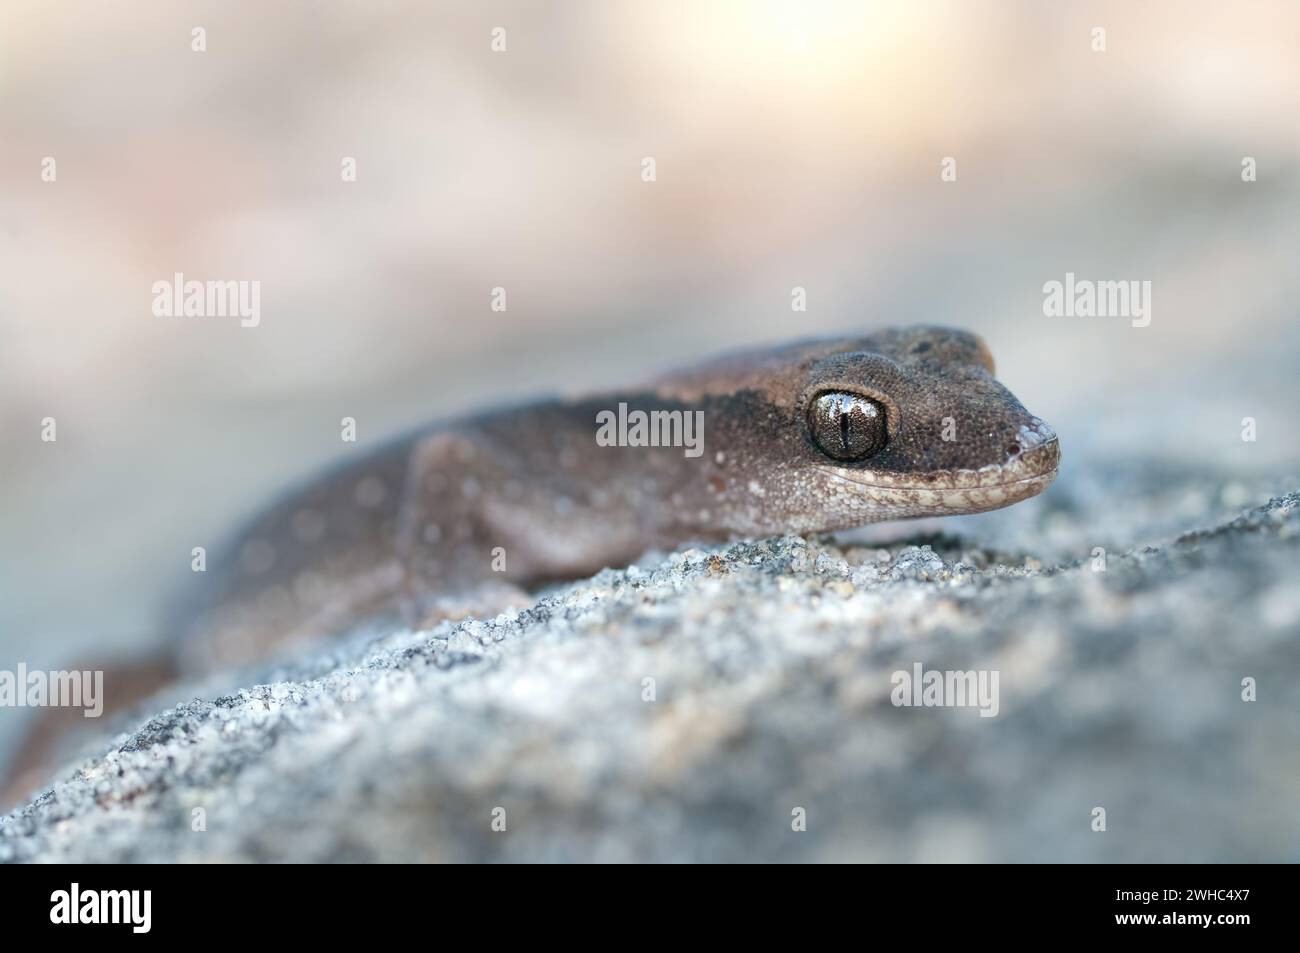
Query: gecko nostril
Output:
(1013,449)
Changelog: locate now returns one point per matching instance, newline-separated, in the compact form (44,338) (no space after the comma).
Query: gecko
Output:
(460,518)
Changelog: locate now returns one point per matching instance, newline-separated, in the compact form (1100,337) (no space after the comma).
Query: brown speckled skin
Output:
(423,517)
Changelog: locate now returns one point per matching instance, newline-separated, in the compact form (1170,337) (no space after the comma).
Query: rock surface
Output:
(772,665)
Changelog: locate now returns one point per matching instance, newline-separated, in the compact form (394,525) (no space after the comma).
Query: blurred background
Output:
(796,144)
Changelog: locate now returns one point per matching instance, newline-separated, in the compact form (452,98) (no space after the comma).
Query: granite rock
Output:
(703,705)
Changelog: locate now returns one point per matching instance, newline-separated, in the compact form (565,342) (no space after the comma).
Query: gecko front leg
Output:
(516,499)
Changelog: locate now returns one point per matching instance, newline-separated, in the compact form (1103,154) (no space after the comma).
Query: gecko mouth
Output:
(1026,474)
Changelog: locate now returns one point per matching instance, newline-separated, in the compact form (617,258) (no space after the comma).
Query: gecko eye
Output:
(846,426)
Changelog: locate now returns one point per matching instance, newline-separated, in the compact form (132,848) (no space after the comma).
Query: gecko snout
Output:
(1031,465)
(1034,452)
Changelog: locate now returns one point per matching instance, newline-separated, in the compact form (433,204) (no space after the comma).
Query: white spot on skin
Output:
(757,488)
(370,492)
(469,488)
(720,458)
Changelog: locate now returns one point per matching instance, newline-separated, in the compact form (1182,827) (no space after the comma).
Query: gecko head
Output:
(910,422)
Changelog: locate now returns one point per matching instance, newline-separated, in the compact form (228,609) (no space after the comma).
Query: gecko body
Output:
(807,437)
